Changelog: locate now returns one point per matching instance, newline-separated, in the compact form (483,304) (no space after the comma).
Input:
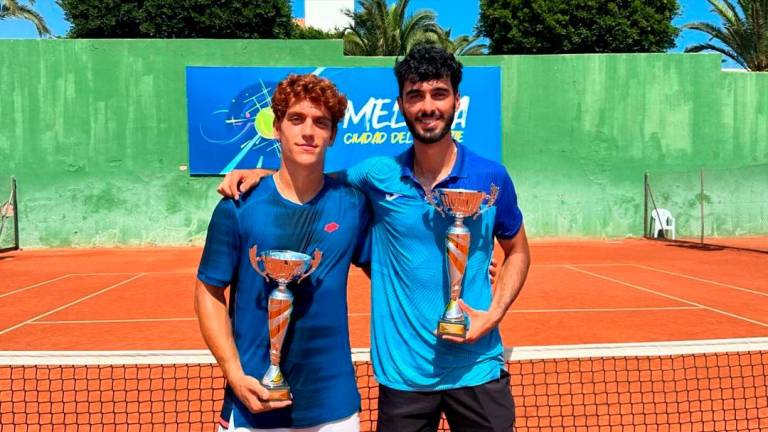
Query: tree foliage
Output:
(744,32)
(463,45)
(380,30)
(179,19)
(578,26)
(302,32)
(12,9)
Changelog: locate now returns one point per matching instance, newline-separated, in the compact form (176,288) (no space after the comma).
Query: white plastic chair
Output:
(662,220)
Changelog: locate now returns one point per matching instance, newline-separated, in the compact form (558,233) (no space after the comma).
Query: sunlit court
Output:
(606,334)
(384,215)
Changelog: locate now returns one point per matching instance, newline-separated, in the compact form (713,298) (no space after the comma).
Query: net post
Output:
(15,214)
(649,190)
(9,220)
(701,205)
(645,204)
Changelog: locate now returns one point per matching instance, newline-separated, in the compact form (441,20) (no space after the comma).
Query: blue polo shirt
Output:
(316,359)
(409,276)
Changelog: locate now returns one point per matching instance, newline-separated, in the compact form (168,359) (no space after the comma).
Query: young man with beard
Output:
(298,209)
(420,374)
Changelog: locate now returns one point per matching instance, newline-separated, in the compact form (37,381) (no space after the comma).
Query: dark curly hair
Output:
(427,63)
(321,91)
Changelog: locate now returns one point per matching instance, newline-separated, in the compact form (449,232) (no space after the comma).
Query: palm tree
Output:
(10,9)
(462,45)
(745,36)
(378,30)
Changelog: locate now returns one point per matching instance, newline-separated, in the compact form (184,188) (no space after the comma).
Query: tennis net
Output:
(9,221)
(712,385)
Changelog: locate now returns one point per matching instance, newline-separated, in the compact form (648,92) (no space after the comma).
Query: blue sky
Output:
(459,15)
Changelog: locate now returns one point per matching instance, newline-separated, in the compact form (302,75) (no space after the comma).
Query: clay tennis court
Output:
(582,300)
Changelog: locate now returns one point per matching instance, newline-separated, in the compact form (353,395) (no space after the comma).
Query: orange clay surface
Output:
(576,293)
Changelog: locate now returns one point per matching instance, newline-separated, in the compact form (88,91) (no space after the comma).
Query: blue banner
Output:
(230,116)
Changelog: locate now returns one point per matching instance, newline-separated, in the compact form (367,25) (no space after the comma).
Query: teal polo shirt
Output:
(409,276)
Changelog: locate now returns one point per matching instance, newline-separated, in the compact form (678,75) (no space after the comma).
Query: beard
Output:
(432,136)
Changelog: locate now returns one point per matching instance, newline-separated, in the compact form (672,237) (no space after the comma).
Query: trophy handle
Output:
(255,260)
(316,256)
(491,200)
(430,197)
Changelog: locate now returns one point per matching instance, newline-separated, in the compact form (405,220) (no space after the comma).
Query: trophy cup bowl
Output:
(458,203)
(282,266)
(461,202)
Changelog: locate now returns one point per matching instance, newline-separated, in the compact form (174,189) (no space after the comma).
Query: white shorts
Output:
(349,424)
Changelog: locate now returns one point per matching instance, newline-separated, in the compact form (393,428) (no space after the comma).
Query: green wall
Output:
(95,132)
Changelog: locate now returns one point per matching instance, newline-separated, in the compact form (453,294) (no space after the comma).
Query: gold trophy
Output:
(284,267)
(459,203)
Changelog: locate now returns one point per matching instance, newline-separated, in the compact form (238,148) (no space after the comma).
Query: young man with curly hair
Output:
(422,375)
(298,209)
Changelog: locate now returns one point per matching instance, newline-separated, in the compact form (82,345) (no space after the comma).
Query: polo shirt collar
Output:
(459,169)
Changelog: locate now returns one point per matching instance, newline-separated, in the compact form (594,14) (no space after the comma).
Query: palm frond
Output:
(743,32)
(378,29)
(465,45)
(727,12)
(8,7)
(724,51)
(12,9)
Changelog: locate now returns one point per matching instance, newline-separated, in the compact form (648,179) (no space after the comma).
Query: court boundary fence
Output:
(710,206)
(9,219)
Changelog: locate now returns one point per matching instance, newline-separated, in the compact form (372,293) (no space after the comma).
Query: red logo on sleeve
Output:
(331,227)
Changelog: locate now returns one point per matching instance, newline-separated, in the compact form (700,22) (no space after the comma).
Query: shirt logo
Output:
(392,197)
(331,227)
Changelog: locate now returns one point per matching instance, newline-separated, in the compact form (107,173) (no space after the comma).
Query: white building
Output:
(327,14)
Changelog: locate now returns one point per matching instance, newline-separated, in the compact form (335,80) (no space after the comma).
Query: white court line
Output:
(45,314)
(521,353)
(16,291)
(114,321)
(659,308)
(636,349)
(671,297)
(34,286)
(179,357)
(522,311)
(583,265)
(104,274)
(190,271)
(703,280)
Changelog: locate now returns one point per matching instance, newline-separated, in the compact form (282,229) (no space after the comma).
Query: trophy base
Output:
(279,393)
(448,328)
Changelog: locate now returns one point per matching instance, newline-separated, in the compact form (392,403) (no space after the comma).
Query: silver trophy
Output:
(459,203)
(284,267)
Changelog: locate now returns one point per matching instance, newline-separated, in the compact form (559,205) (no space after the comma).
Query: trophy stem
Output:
(457,251)
(279,310)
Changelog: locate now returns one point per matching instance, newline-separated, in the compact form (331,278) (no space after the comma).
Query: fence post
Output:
(701,201)
(645,204)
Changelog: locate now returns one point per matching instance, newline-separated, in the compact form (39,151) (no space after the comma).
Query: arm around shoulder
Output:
(239,181)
